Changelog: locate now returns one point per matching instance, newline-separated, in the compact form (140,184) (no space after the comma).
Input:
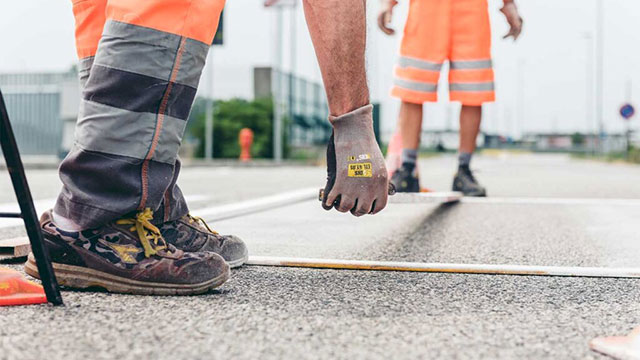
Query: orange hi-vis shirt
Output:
(439,30)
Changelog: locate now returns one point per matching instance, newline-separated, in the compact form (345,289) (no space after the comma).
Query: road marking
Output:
(488,269)
(551,201)
(227,211)
(442,197)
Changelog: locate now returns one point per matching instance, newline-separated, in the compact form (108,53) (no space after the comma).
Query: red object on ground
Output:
(15,289)
(245,139)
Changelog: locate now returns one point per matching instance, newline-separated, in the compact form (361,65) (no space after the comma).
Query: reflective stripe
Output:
(111,130)
(471,64)
(150,52)
(405,61)
(139,93)
(484,86)
(415,86)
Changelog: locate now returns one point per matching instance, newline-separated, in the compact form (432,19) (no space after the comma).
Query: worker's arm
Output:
(356,174)
(384,16)
(510,11)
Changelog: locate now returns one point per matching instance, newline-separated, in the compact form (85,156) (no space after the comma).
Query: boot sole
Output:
(83,278)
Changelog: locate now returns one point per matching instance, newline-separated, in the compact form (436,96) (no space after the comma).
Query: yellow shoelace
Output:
(147,232)
(197,219)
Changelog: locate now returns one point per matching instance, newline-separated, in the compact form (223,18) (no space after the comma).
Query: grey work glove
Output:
(356,172)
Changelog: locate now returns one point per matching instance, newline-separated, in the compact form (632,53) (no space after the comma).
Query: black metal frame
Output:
(27,210)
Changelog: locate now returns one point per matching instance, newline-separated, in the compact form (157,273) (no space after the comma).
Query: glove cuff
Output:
(361,115)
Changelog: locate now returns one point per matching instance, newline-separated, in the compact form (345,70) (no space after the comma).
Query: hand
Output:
(384,17)
(510,11)
(356,173)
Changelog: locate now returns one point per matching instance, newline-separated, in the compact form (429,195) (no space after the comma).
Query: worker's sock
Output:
(464,158)
(409,156)
(65,223)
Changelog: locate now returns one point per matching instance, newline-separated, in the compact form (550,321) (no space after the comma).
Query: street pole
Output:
(591,127)
(520,96)
(599,71)
(292,61)
(277,103)
(208,123)
(628,121)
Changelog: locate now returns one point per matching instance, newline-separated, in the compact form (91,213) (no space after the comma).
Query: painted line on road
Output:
(222,212)
(487,269)
(213,213)
(443,197)
(550,201)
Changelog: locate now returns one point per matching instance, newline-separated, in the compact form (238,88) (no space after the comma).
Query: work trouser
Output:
(440,30)
(140,64)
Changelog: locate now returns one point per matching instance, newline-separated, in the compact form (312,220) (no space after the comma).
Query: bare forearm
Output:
(338,32)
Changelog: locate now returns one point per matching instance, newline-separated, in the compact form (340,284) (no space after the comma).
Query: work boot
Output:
(465,182)
(192,234)
(405,179)
(129,256)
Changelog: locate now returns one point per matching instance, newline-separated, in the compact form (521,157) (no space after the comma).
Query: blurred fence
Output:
(308,111)
(37,104)
(304,101)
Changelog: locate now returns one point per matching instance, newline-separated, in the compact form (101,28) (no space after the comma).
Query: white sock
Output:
(65,223)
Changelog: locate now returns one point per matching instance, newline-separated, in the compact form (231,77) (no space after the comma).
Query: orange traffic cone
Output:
(15,289)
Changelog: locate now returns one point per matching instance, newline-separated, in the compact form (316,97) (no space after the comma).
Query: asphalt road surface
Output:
(542,210)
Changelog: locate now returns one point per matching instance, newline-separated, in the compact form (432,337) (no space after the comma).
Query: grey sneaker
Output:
(191,233)
(465,182)
(128,255)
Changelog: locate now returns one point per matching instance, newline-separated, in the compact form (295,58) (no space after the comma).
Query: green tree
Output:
(230,116)
(577,139)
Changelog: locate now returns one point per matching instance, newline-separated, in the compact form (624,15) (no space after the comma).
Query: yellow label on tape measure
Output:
(360,170)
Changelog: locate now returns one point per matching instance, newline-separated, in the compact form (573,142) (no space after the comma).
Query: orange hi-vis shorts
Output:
(439,30)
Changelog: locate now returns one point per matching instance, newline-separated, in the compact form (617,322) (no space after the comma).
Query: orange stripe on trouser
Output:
(178,17)
(196,20)
(90,19)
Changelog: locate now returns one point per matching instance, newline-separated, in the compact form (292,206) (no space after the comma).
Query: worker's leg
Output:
(140,81)
(134,109)
(470,117)
(410,126)
(470,81)
(425,45)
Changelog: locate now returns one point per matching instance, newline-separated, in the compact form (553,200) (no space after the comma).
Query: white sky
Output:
(37,35)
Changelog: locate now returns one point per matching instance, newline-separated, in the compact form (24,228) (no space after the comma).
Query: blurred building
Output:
(574,142)
(39,106)
(444,139)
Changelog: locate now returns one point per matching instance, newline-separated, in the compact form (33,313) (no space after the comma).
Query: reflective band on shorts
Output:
(405,61)
(415,86)
(471,64)
(485,86)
